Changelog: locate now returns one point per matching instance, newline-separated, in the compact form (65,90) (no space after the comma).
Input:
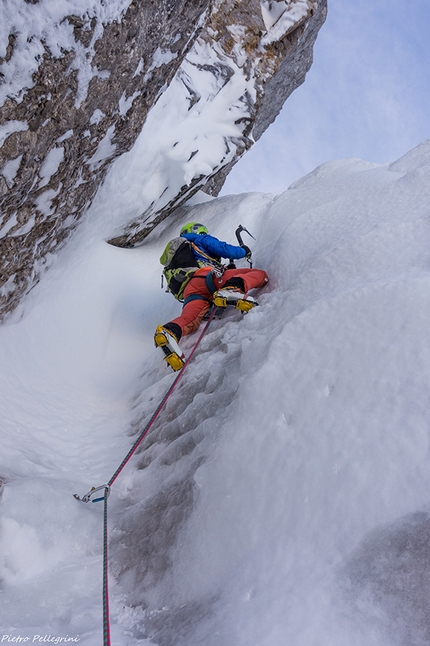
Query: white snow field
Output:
(282,497)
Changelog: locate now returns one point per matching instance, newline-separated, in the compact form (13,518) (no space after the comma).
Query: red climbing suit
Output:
(194,310)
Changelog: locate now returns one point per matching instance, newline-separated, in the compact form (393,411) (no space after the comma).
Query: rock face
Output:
(77,89)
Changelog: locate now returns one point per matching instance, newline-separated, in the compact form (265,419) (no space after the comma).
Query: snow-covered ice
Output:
(282,496)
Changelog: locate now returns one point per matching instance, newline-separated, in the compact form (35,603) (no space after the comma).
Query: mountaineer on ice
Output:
(196,277)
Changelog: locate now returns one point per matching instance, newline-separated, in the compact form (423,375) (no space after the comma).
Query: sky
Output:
(366,96)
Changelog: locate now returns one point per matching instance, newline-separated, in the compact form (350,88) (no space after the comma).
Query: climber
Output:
(195,275)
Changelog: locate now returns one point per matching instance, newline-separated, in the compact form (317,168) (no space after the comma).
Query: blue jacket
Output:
(214,247)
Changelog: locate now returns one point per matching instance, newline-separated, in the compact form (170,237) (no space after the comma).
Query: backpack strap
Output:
(196,297)
(209,280)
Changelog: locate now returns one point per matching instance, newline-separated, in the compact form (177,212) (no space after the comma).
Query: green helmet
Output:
(193,227)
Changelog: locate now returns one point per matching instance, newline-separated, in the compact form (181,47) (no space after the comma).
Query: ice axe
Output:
(238,232)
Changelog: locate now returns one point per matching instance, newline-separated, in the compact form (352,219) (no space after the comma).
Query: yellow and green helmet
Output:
(193,227)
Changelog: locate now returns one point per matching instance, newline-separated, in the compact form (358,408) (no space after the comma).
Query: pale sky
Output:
(367,95)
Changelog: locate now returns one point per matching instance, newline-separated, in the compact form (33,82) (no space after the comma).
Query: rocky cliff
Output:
(80,81)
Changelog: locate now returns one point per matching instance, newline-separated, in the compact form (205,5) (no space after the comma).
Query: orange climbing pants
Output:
(194,311)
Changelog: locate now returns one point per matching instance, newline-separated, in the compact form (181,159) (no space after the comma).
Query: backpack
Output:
(180,265)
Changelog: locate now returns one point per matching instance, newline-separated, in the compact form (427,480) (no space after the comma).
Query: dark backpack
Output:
(180,265)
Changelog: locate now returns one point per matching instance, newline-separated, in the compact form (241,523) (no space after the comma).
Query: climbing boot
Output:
(166,340)
(232,296)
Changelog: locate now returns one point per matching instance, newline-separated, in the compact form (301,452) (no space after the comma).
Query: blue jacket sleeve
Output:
(219,249)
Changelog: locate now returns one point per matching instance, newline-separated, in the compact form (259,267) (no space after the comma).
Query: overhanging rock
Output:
(77,89)
(248,58)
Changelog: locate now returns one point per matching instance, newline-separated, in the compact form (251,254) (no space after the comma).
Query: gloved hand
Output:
(248,251)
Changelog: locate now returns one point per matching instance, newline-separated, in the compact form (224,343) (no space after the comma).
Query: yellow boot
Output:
(232,296)
(167,341)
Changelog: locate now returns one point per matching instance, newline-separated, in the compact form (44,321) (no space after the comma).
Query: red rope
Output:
(160,406)
(106,619)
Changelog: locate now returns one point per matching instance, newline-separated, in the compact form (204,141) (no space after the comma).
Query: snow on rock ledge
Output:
(232,84)
(79,79)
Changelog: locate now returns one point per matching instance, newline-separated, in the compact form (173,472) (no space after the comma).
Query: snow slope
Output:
(282,498)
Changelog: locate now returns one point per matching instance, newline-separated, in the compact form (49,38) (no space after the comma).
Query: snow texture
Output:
(200,135)
(282,498)
(10,169)
(279,17)
(51,164)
